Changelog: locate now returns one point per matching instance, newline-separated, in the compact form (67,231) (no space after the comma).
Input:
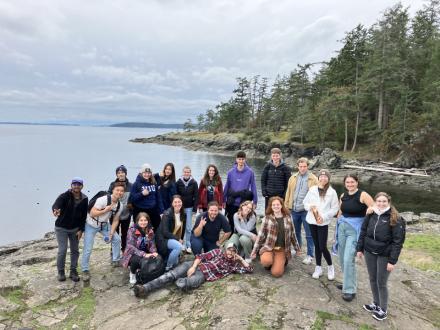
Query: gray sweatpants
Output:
(63,235)
(378,274)
(178,274)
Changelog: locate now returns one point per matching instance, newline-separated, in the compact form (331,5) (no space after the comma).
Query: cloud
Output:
(169,59)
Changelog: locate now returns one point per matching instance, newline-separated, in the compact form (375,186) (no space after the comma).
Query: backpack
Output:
(109,201)
(151,268)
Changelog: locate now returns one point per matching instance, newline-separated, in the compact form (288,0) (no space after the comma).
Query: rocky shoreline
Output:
(32,298)
(227,144)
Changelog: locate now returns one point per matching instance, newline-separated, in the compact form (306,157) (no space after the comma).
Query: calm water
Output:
(38,163)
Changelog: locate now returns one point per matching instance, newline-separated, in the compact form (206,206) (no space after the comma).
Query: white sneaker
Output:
(188,250)
(248,260)
(132,278)
(331,272)
(317,273)
(308,260)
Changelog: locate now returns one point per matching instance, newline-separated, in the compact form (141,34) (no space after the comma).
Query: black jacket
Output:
(274,180)
(71,217)
(378,237)
(165,231)
(189,194)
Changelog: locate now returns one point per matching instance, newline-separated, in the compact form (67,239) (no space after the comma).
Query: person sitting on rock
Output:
(206,231)
(140,244)
(275,238)
(70,208)
(245,229)
(210,266)
(171,231)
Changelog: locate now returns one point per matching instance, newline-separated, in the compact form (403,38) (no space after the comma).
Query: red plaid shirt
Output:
(215,265)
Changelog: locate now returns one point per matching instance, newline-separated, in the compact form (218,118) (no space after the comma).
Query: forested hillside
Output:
(380,91)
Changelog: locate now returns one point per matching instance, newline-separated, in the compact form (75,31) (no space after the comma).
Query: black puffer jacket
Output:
(189,193)
(71,217)
(165,231)
(274,180)
(380,238)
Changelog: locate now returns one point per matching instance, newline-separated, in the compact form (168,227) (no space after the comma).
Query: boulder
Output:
(430,217)
(327,159)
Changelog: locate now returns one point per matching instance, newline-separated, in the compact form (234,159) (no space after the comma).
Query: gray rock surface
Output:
(32,297)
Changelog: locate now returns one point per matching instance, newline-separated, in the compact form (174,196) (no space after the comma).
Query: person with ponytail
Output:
(381,240)
(322,205)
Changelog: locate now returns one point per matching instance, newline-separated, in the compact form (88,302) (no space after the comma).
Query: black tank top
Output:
(351,205)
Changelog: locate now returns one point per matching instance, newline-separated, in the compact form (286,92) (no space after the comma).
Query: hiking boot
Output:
(371,307)
(132,278)
(307,260)
(317,273)
(74,276)
(331,273)
(139,291)
(116,264)
(380,314)
(348,296)
(61,276)
(86,276)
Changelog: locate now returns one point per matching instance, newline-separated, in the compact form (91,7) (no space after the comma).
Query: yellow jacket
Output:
(312,180)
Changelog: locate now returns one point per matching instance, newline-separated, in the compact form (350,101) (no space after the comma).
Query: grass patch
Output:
(422,251)
(83,313)
(322,317)
(256,323)
(15,296)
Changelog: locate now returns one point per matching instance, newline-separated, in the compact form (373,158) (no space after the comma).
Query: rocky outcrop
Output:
(31,297)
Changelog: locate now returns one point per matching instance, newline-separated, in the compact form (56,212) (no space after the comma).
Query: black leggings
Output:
(319,235)
(135,263)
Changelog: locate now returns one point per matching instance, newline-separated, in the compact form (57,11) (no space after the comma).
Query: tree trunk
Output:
(346,134)
(380,113)
(358,111)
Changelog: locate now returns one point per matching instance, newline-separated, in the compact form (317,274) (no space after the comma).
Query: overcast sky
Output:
(157,61)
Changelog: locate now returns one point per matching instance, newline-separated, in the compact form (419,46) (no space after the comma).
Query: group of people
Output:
(162,208)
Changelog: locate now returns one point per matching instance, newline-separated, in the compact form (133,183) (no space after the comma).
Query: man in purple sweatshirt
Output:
(240,186)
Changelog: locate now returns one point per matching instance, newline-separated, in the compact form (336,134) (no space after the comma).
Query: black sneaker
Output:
(371,307)
(380,314)
(339,286)
(74,276)
(139,291)
(86,276)
(61,276)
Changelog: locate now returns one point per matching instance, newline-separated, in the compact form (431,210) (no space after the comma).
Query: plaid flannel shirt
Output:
(215,265)
(267,236)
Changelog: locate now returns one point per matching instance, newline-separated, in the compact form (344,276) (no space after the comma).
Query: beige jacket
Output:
(312,180)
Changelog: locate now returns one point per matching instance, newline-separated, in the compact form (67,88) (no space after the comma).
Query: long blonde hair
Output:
(394,213)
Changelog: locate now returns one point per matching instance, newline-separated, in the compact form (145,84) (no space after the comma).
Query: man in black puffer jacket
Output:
(275,177)
(70,208)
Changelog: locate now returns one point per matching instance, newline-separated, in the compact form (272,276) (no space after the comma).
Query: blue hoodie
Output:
(152,200)
(240,180)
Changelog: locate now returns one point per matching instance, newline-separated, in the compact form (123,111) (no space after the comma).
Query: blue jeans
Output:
(347,240)
(298,219)
(89,239)
(188,227)
(174,247)
(198,244)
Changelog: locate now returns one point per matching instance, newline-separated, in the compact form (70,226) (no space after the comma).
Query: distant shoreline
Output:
(126,125)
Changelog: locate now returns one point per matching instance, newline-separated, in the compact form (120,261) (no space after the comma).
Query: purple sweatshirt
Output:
(240,180)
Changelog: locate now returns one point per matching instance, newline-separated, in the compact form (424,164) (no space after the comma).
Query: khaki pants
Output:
(274,259)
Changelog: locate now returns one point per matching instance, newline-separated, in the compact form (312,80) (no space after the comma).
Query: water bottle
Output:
(106,239)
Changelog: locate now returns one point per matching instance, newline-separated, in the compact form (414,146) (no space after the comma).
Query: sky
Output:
(158,61)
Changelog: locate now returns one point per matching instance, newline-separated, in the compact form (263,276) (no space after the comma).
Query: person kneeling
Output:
(140,245)
(275,237)
(210,266)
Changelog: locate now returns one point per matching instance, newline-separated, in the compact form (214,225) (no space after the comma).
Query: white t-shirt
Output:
(100,204)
